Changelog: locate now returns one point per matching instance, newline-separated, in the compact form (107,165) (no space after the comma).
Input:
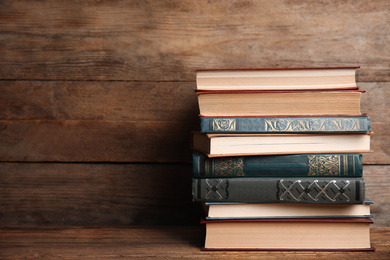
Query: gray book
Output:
(284,190)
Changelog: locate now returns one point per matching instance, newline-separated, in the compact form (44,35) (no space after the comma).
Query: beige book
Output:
(289,234)
(276,78)
(291,210)
(307,103)
(214,145)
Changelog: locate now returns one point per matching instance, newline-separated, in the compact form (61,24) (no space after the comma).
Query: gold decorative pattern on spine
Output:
(324,165)
(311,124)
(228,166)
(224,124)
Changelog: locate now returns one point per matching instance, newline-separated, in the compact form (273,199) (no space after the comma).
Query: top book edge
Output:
(318,220)
(246,91)
(296,68)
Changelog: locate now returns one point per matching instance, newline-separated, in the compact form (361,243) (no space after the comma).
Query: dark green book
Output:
(284,190)
(334,124)
(297,165)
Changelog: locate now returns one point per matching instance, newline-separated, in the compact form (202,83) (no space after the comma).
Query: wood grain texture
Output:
(376,101)
(376,180)
(148,242)
(131,101)
(380,144)
(126,121)
(96,194)
(122,194)
(98,100)
(166,40)
(110,141)
(96,94)
(95,141)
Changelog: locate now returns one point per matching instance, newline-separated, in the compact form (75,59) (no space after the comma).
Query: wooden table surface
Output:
(143,242)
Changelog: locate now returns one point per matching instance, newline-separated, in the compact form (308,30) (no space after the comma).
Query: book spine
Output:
(298,165)
(347,124)
(282,190)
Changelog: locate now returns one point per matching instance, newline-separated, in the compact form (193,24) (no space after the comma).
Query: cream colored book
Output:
(276,78)
(285,210)
(350,234)
(214,145)
(285,103)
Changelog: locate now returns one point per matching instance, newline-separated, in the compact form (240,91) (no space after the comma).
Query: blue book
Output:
(295,165)
(318,124)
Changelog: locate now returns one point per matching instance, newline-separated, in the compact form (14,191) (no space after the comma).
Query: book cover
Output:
(326,234)
(218,145)
(277,78)
(338,190)
(279,103)
(290,220)
(277,69)
(315,124)
(296,165)
(226,210)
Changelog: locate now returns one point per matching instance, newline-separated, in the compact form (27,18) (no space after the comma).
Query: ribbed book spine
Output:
(283,190)
(298,165)
(346,124)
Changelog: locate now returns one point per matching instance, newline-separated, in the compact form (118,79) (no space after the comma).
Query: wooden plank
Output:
(95,141)
(96,194)
(122,194)
(27,100)
(111,141)
(376,179)
(166,40)
(130,101)
(97,100)
(149,242)
(376,101)
(380,144)
(127,101)
(131,121)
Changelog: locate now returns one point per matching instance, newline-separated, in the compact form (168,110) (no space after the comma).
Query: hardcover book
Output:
(338,190)
(215,210)
(279,103)
(296,165)
(345,124)
(327,234)
(216,145)
(276,78)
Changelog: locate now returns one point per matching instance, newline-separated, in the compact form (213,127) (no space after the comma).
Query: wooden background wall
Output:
(97,101)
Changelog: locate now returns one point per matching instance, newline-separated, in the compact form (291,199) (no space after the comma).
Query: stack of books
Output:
(277,163)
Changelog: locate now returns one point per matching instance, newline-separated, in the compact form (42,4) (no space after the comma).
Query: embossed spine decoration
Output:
(339,190)
(228,166)
(285,124)
(327,190)
(311,124)
(298,165)
(325,165)
(217,189)
(224,124)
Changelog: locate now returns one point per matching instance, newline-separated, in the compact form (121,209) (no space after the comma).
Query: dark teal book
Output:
(282,190)
(296,165)
(335,124)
